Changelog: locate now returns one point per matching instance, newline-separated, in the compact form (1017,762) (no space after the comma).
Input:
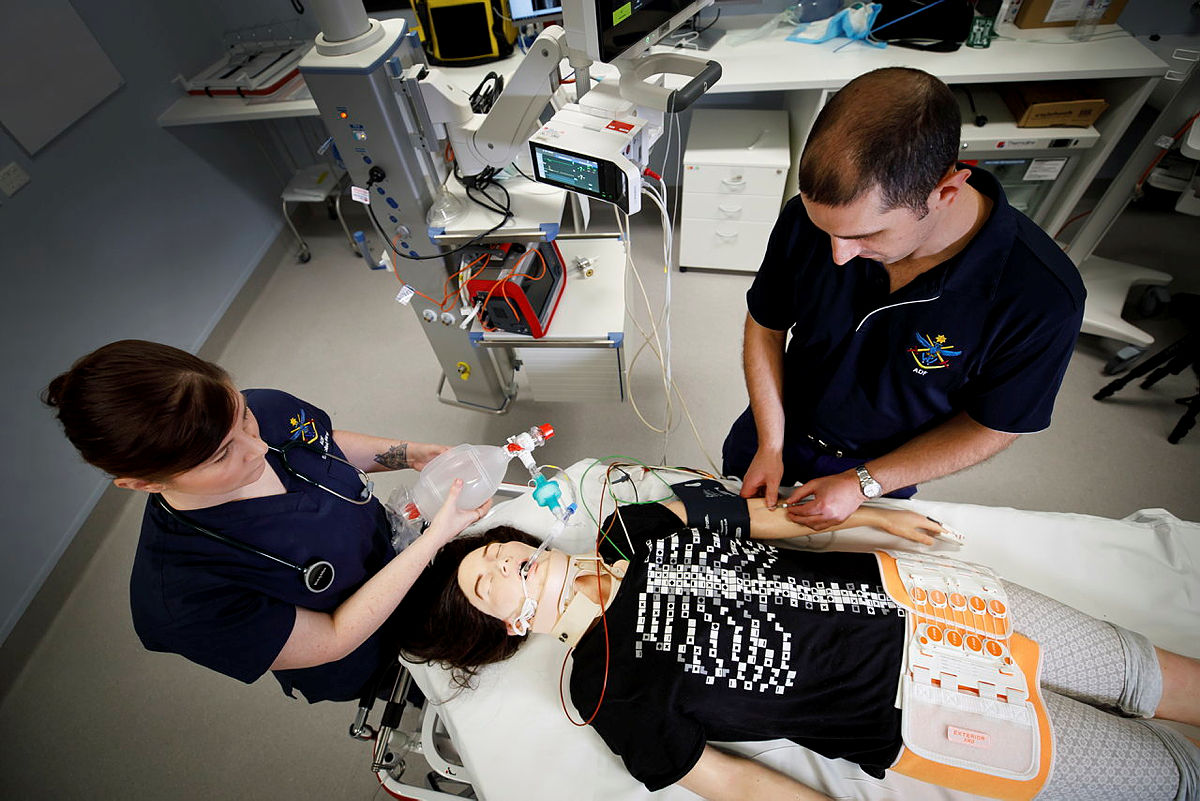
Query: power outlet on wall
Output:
(12,178)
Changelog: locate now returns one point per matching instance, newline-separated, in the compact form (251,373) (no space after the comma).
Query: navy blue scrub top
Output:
(233,611)
(988,332)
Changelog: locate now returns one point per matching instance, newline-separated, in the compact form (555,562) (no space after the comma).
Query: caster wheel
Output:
(303,256)
(1145,302)
(1123,359)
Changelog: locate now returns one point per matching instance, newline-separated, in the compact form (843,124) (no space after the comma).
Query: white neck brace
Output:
(577,611)
(574,622)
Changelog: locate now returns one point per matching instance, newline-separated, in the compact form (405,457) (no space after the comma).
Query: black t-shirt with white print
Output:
(713,637)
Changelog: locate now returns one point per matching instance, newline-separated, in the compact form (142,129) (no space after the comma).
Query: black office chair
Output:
(1173,359)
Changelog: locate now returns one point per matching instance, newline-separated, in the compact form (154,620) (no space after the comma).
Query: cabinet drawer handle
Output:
(725,236)
(734,184)
(730,211)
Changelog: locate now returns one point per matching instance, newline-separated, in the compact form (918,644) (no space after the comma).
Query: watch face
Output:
(870,487)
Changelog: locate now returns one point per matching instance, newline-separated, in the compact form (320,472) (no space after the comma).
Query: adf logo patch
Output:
(304,428)
(932,353)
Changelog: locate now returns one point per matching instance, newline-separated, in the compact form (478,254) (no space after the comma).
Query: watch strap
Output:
(865,479)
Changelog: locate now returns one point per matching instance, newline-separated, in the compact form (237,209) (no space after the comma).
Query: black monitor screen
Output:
(568,170)
(525,9)
(624,23)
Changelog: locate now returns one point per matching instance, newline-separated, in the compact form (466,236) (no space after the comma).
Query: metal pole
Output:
(341,20)
(1182,105)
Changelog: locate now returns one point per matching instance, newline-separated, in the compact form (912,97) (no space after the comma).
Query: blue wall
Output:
(125,230)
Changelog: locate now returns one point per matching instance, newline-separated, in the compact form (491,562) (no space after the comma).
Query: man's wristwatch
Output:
(870,487)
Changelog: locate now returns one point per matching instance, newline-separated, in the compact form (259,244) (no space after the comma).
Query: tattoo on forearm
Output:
(395,457)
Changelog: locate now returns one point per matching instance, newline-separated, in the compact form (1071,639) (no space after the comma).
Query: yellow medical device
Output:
(463,33)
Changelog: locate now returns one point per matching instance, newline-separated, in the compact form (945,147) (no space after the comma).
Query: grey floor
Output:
(95,716)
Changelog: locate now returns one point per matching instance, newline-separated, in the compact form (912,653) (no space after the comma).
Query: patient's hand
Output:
(771,524)
(898,522)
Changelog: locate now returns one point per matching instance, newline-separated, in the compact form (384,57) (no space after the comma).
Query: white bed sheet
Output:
(515,741)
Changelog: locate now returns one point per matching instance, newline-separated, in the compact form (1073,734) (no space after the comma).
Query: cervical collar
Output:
(577,611)
(574,622)
(524,619)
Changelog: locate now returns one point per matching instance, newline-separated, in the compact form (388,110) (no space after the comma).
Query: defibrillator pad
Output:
(713,507)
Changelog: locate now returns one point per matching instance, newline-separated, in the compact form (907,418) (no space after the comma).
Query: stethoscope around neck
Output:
(364,496)
(318,574)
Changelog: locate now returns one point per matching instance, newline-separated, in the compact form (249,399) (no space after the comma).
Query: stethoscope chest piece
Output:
(318,576)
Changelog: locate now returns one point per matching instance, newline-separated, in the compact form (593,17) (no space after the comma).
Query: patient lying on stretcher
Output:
(708,635)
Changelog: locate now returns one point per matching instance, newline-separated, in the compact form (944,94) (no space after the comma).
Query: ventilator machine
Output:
(403,130)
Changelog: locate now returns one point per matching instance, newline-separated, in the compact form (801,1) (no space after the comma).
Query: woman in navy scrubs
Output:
(261,545)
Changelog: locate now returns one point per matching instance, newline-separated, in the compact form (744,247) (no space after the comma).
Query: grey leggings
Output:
(1089,666)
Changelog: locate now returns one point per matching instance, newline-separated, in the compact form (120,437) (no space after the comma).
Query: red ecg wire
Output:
(603,622)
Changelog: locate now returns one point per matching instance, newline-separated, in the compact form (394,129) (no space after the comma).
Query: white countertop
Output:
(199,110)
(532,204)
(775,64)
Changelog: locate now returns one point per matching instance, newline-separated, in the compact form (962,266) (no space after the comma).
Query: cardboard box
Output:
(1053,105)
(1060,13)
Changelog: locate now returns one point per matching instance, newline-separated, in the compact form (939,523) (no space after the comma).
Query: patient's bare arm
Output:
(774,524)
(718,776)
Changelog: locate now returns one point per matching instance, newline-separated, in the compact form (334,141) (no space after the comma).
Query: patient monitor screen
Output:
(568,170)
(600,179)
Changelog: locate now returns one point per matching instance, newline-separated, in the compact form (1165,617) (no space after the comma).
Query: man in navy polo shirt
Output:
(931,323)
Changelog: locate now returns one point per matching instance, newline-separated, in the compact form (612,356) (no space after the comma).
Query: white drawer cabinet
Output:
(751,208)
(724,245)
(735,168)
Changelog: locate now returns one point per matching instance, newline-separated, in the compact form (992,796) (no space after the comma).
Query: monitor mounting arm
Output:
(494,139)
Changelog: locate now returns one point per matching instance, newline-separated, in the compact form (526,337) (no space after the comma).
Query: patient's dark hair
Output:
(438,623)
(895,128)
